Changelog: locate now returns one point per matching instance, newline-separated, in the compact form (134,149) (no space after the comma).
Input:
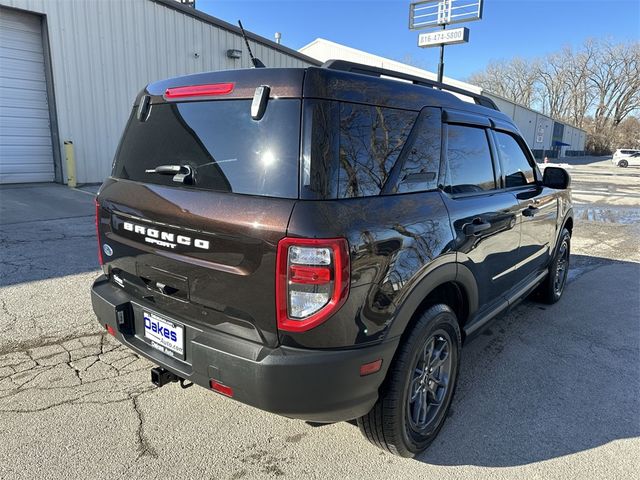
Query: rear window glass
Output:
(371,139)
(226,149)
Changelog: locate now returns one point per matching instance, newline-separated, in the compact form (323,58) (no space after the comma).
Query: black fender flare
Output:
(431,279)
(568,216)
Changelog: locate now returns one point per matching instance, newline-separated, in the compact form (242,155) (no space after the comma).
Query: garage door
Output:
(25,135)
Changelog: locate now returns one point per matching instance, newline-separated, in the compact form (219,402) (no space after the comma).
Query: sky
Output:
(509,28)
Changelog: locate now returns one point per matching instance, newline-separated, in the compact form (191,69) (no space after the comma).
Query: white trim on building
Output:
(323,50)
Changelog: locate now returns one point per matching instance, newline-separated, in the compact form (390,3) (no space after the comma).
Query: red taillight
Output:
(220,388)
(208,90)
(110,330)
(312,281)
(100,259)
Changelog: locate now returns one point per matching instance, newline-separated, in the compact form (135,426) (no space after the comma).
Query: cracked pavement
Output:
(544,392)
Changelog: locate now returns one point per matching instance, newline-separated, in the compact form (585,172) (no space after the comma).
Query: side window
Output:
(420,168)
(371,139)
(469,164)
(517,169)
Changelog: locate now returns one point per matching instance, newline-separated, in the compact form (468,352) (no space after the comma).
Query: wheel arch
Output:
(452,284)
(568,222)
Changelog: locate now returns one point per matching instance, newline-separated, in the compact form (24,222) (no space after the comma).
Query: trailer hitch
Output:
(160,377)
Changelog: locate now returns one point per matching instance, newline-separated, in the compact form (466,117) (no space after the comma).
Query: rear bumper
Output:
(313,385)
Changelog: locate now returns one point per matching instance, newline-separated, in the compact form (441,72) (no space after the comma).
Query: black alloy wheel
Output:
(552,287)
(430,382)
(419,386)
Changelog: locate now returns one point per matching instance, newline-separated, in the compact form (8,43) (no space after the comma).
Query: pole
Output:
(71,163)
(441,64)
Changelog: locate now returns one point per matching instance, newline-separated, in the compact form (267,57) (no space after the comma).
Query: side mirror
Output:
(556,177)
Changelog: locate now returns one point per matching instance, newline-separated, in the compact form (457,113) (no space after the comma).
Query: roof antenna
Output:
(256,62)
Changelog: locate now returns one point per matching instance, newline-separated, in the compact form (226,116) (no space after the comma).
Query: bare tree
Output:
(552,75)
(613,72)
(581,98)
(514,80)
(595,87)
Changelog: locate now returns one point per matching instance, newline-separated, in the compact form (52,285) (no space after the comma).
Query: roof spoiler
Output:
(346,66)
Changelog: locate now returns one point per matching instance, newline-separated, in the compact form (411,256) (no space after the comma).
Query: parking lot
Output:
(545,392)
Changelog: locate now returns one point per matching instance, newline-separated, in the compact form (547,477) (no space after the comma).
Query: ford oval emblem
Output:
(108,251)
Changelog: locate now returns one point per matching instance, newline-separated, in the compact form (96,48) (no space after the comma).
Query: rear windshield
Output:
(226,149)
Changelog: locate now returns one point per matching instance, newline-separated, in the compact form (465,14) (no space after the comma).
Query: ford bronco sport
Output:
(320,242)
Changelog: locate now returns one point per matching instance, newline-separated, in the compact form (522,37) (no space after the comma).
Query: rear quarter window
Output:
(227,150)
(371,139)
(421,164)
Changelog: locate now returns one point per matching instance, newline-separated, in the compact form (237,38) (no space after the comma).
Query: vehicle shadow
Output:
(547,381)
(46,231)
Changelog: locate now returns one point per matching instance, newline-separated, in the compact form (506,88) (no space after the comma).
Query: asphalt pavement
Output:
(545,392)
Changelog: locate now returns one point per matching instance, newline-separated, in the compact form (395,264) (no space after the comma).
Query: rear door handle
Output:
(476,227)
(530,211)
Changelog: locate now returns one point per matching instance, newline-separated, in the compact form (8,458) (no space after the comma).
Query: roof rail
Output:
(346,66)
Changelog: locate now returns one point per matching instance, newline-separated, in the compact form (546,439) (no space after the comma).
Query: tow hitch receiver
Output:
(160,377)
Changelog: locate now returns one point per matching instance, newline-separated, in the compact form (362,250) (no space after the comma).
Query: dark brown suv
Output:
(320,242)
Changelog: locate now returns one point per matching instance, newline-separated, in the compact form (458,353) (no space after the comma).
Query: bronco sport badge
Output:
(165,239)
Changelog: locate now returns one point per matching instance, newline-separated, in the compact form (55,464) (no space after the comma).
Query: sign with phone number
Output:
(444,37)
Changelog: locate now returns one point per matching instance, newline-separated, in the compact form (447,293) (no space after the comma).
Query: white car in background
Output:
(623,157)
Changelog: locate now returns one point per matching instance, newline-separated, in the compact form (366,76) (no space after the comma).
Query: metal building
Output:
(545,136)
(70,69)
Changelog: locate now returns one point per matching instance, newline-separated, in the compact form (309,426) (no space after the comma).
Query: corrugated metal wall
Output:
(104,52)
(537,128)
(526,121)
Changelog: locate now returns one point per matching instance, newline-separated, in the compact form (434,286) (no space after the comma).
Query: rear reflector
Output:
(309,275)
(110,330)
(220,388)
(371,367)
(199,90)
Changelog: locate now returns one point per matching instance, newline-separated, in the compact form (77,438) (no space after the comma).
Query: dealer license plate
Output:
(166,336)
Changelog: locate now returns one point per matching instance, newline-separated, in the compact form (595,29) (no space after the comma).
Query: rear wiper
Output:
(181,173)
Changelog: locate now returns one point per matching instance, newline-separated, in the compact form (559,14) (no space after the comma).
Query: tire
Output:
(395,423)
(550,291)
(623,163)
